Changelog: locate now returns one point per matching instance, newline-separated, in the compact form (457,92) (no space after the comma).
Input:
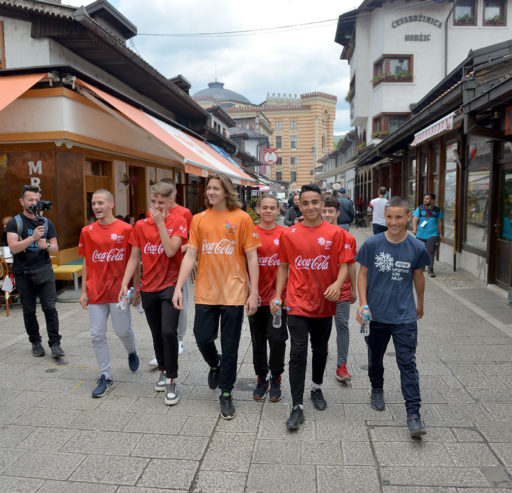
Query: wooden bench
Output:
(67,265)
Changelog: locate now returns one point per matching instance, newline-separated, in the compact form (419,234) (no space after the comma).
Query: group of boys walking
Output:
(306,271)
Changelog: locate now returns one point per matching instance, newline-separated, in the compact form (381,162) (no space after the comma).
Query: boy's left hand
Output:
(419,311)
(332,293)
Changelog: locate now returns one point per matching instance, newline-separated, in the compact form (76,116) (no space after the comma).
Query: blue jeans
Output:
(405,339)
(39,283)
(206,329)
(379,228)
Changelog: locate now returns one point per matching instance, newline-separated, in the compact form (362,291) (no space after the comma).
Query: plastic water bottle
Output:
(276,319)
(365,326)
(121,305)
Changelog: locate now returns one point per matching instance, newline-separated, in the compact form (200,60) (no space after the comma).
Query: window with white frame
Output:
(293,141)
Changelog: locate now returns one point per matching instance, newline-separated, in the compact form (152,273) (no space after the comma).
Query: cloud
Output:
(293,61)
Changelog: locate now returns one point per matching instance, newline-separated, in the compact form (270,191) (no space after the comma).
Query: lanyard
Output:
(429,213)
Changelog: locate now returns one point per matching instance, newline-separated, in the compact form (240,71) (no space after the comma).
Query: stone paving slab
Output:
(55,438)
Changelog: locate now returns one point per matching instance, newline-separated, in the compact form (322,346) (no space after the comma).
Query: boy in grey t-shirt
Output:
(391,262)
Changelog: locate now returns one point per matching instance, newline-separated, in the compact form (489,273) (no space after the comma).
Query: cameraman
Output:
(31,239)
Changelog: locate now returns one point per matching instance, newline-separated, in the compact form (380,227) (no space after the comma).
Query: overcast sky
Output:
(293,61)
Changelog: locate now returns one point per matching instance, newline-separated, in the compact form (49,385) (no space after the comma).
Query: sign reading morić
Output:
(417,18)
(270,156)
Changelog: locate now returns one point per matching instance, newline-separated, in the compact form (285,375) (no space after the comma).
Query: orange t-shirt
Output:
(222,239)
(350,249)
(158,270)
(106,250)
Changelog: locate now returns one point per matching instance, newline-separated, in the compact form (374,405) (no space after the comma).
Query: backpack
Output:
(19,225)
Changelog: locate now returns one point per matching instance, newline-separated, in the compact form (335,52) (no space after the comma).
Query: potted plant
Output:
(465,20)
(497,20)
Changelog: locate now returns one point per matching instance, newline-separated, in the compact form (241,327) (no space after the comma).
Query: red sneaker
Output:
(342,375)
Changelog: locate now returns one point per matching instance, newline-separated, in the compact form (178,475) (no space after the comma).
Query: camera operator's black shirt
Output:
(33,257)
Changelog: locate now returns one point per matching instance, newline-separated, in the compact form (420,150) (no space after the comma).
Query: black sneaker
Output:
(227,409)
(296,418)
(431,274)
(38,350)
(377,399)
(133,361)
(213,376)
(416,428)
(260,390)
(57,351)
(274,393)
(318,399)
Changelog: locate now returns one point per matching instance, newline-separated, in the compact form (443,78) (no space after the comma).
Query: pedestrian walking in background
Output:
(376,207)
(348,295)
(313,259)
(224,240)
(31,239)
(105,246)
(293,214)
(427,225)
(262,329)
(346,210)
(391,263)
(157,240)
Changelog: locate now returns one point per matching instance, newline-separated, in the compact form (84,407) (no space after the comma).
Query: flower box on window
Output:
(497,20)
(465,20)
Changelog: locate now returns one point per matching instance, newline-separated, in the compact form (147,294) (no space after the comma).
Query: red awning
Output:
(441,126)
(13,86)
(197,157)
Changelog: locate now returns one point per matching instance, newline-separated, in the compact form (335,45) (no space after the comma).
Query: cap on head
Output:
(342,190)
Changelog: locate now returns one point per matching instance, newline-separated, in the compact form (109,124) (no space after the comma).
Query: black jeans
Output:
(379,228)
(206,329)
(163,321)
(319,330)
(405,339)
(40,283)
(262,331)
(431,244)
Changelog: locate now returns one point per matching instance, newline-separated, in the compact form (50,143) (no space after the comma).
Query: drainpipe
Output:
(446,40)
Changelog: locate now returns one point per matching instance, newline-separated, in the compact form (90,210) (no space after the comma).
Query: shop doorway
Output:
(503,228)
(137,200)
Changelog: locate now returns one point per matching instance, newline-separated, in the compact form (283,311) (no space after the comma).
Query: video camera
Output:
(41,205)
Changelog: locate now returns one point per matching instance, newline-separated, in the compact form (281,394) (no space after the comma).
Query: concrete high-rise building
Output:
(303,127)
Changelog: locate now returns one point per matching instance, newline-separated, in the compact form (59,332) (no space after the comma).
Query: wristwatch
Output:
(47,245)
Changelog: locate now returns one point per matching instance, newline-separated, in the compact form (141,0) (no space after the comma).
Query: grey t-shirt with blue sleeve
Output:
(390,274)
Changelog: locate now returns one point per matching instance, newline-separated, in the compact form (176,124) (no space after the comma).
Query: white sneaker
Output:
(153,362)
(160,385)
(180,347)
(171,394)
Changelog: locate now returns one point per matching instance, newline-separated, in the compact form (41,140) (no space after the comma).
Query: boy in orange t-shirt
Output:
(223,238)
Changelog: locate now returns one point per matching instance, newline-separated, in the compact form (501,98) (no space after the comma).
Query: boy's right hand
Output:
(84,300)
(177,299)
(275,307)
(359,317)
(123,292)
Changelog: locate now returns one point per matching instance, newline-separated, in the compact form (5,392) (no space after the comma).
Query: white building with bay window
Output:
(399,50)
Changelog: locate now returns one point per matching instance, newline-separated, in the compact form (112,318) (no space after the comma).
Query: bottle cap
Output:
(276,302)
(366,307)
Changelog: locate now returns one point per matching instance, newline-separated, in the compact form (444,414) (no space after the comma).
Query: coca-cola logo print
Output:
(272,261)
(113,255)
(320,262)
(222,247)
(150,249)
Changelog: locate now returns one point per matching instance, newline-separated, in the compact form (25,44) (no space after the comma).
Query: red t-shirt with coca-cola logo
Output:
(106,250)
(314,255)
(268,260)
(350,247)
(158,270)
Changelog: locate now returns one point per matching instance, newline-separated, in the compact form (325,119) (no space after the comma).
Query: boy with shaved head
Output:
(106,250)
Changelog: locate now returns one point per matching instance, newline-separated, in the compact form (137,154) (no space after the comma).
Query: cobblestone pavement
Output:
(55,438)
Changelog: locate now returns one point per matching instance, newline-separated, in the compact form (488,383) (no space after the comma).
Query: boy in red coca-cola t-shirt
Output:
(260,323)
(157,240)
(313,259)
(105,247)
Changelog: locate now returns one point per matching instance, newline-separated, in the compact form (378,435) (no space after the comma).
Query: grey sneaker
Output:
(415,425)
(160,385)
(171,394)
(377,399)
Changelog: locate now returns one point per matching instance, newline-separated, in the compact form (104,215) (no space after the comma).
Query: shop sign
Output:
(417,18)
(417,37)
